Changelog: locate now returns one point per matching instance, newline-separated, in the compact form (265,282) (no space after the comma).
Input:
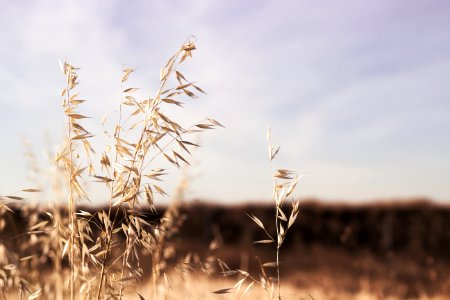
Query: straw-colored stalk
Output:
(128,174)
(75,133)
(284,183)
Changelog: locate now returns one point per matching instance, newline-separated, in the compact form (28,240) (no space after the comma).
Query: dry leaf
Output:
(223,291)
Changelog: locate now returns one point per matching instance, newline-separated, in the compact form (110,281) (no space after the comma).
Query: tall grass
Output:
(101,250)
(71,253)
(109,241)
(284,184)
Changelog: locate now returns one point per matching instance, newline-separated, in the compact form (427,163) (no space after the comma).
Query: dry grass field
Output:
(133,248)
(337,252)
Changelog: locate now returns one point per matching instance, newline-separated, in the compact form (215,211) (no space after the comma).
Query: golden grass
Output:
(97,255)
(116,252)
(284,183)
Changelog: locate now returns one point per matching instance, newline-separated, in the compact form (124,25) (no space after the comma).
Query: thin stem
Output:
(278,274)
(109,237)
(71,198)
(278,244)
(56,260)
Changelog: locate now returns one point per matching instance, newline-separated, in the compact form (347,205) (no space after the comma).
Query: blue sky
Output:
(357,92)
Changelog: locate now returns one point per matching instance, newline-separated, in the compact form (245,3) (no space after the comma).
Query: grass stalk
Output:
(71,193)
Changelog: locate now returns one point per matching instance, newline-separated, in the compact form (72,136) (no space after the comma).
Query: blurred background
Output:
(356,94)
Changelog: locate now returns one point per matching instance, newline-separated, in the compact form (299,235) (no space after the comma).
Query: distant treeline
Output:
(416,230)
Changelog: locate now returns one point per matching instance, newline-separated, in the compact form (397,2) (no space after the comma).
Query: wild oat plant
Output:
(98,255)
(104,265)
(284,183)
(69,253)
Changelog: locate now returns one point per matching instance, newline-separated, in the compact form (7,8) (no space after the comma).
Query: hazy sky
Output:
(357,92)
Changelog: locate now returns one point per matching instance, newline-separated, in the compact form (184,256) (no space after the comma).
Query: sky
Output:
(357,93)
